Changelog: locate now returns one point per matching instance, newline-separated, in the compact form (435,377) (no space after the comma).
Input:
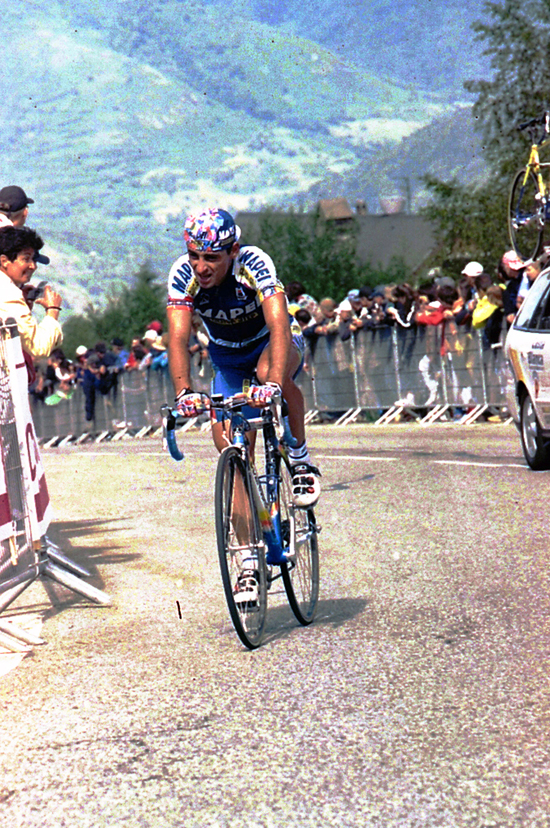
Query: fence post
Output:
(395,353)
(482,367)
(355,376)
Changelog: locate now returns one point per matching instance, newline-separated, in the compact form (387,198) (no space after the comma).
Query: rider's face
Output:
(211,268)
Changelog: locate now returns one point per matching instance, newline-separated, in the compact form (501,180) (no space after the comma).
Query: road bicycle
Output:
(258,528)
(529,204)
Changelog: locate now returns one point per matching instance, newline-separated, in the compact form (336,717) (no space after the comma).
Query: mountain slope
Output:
(119,124)
(428,43)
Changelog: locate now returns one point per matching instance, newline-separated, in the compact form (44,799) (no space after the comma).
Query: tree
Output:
(317,253)
(470,224)
(127,314)
(518,44)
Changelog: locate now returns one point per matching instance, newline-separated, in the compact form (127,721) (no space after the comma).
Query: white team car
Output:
(527,352)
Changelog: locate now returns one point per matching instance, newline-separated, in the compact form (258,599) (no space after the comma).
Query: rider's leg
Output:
(292,394)
(305,476)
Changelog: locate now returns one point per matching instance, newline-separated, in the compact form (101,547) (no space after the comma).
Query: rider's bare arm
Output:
(179,326)
(280,340)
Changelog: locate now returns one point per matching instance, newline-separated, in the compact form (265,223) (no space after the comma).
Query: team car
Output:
(527,351)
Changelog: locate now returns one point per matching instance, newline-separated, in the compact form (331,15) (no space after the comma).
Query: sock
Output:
(299,454)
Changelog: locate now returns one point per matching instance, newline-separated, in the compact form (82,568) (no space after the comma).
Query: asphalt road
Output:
(420,697)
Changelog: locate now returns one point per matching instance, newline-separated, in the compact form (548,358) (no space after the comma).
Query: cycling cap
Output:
(211,230)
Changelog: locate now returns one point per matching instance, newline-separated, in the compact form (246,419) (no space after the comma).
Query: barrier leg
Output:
(11,643)
(20,635)
(75,584)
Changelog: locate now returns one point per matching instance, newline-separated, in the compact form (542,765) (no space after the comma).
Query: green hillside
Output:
(119,123)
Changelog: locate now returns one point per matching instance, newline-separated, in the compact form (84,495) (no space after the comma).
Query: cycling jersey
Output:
(231,312)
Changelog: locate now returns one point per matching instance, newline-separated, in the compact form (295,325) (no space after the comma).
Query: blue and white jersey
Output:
(231,312)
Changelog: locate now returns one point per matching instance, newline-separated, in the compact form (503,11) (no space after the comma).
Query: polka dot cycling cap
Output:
(211,230)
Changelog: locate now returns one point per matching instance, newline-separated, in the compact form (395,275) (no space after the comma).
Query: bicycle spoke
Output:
(240,550)
(526,216)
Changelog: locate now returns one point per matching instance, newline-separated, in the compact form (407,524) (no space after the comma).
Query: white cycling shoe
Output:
(306,485)
(245,593)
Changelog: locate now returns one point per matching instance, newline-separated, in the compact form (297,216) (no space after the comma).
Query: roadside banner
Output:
(27,497)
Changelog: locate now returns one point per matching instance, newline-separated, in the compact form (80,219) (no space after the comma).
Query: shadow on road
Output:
(333,613)
(65,535)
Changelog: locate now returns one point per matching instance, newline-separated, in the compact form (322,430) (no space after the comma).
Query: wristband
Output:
(53,307)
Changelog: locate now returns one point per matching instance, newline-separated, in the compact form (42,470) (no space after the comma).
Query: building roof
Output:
(335,209)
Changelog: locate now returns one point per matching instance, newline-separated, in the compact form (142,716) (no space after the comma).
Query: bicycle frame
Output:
(534,163)
(264,488)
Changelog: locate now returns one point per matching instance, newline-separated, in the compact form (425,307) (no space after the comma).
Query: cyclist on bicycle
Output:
(242,303)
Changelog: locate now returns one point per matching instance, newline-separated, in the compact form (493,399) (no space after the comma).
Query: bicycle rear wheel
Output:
(301,572)
(240,547)
(526,216)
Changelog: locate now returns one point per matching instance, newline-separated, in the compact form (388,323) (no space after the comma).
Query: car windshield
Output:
(531,300)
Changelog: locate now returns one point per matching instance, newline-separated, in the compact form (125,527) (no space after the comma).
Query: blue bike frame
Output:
(264,488)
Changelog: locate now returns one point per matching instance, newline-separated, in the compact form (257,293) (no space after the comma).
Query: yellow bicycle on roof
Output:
(529,205)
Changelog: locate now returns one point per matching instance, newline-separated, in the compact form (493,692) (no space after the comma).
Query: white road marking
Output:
(355,457)
(441,462)
(484,465)
(361,457)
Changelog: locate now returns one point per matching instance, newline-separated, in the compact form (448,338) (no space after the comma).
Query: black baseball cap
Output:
(13,199)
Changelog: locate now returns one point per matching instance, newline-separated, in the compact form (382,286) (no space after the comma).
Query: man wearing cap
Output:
(470,272)
(14,205)
(242,303)
(510,270)
(18,246)
(14,212)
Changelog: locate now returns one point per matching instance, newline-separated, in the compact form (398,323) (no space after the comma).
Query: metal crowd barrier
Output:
(426,367)
(132,404)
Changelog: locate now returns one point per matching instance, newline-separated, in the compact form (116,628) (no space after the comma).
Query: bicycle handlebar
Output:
(170,418)
(542,120)
(169,432)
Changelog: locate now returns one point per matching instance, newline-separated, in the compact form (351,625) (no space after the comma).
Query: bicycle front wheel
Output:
(299,530)
(240,549)
(526,216)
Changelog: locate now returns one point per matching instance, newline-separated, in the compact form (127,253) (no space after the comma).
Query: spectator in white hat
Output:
(471,272)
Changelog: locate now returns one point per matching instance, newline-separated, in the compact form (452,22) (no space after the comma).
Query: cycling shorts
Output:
(233,367)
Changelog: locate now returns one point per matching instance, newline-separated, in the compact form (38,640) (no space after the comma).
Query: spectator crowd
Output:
(478,300)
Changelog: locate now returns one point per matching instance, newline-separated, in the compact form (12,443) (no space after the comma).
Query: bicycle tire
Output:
(526,216)
(248,619)
(301,574)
